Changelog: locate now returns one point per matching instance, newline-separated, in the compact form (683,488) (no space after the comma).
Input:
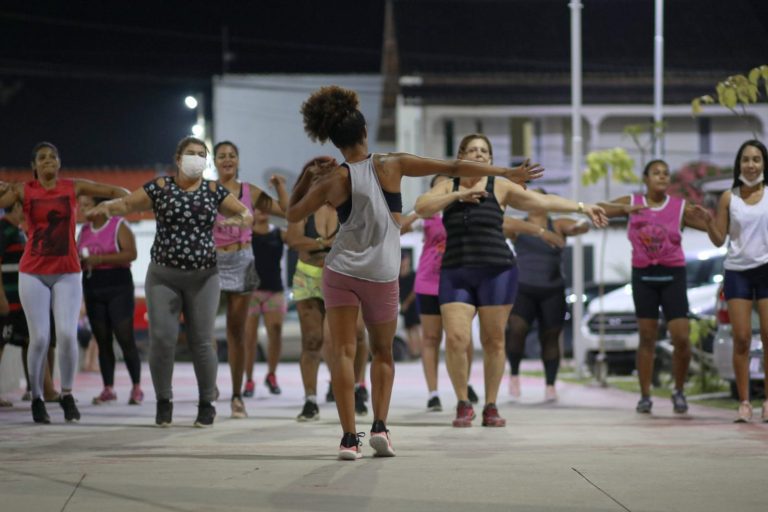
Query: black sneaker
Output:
(271,382)
(364,392)
(205,414)
(679,403)
(644,405)
(164,414)
(329,395)
(360,408)
(473,398)
(434,405)
(310,412)
(71,414)
(39,414)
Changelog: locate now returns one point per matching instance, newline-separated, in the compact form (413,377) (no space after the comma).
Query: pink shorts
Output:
(380,302)
(263,301)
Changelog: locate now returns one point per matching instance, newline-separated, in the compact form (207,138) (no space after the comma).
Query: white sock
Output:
(311,398)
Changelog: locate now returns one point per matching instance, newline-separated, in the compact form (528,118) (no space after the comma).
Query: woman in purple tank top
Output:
(658,275)
(235,262)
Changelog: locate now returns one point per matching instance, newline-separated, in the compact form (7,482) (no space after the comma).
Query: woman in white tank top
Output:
(742,217)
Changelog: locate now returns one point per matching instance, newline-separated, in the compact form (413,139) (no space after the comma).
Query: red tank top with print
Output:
(50,218)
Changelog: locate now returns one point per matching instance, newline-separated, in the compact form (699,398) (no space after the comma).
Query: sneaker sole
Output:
(238,415)
(462,424)
(350,455)
(163,425)
(381,446)
(499,424)
(305,419)
(434,409)
(197,424)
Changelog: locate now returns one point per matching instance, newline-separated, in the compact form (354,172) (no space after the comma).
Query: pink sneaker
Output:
(491,417)
(349,449)
(380,441)
(107,395)
(137,396)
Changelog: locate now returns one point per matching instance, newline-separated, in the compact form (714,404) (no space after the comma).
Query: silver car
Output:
(722,350)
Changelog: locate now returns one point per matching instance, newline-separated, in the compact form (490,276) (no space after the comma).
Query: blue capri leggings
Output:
(479,286)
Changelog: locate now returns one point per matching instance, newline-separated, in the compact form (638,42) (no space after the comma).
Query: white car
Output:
(620,337)
(722,350)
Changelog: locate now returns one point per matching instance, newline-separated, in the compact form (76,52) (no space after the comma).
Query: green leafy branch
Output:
(615,162)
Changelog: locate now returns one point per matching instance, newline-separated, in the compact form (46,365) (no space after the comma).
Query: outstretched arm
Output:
(513,227)
(441,195)
(136,201)
(717,226)
(517,197)
(95,189)
(10,193)
(411,165)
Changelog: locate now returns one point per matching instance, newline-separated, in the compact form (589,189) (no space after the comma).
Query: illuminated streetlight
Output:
(190,102)
(198,130)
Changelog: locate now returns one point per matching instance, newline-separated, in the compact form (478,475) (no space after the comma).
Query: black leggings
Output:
(110,310)
(547,307)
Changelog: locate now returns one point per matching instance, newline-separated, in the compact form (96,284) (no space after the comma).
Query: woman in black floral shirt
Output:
(182,276)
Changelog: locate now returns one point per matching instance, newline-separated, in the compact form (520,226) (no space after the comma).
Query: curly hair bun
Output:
(327,108)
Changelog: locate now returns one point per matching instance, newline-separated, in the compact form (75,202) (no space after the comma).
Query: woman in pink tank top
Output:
(658,275)
(234,256)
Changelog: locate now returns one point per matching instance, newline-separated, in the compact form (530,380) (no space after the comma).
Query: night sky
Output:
(105,81)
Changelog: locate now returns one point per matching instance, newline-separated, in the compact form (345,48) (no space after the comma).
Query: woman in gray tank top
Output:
(361,270)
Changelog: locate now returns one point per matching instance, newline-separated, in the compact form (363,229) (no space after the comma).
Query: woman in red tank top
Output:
(49,272)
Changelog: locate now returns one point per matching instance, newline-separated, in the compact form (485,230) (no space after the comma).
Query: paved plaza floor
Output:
(588,452)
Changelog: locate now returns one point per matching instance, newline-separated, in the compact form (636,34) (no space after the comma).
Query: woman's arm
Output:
(570,227)
(407,222)
(619,207)
(411,165)
(235,212)
(136,201)
(332,188)
(441,195)
(298,241)
(126,254)
(513,227)
(718,226)
(95,189)
(692,219)
(515,196)
(278,182)
(10,193)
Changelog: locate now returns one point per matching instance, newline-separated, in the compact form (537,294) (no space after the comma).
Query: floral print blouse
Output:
(184,237)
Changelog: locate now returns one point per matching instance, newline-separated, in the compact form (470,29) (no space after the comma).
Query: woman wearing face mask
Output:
(658,276)
(182,276)
(49,271)
(236,262)
(742,216)
(362,268)
(478,273)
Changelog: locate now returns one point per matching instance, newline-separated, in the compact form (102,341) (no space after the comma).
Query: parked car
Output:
(621,339)
(722,350)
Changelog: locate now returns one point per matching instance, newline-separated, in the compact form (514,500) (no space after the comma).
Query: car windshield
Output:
(704,271)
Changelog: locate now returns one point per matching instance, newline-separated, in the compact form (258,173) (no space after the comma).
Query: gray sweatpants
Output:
(170,291)
(39,294)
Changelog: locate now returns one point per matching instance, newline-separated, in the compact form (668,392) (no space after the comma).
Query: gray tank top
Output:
(367,245)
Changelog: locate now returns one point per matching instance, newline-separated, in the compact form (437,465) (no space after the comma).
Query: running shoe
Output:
(250,388)
(644,405)
(39,414)
(71,414)
(491,417)
(679,403)
(310,412)
(206,412)
(329,395)
(360,408)
(107,395)
(550,394)
(349,449)
(271,382)
(238,408)
(137,396)
(164,414)
(472,395)
(514,387)
(380,441)
(364,391)
(745,413)
(464,415)
(434,405)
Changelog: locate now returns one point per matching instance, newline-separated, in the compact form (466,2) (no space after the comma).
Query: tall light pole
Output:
(576,164)
(658,80)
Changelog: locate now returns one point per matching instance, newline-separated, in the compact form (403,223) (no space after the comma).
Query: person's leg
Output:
(432,336)
(493,319)
(273,321)
(163,309)
(762,309)
(740,313)
(679,332)
(382,367)
(121,308)
(252,340)
(648,331)
(97,308)
(550,316)
(517,331)
(311,315)
(36,301)
(66,301)
(457,322)
(200,294)
(342,322)
(237,311)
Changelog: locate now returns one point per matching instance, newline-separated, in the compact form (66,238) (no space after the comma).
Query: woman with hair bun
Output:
(362,268)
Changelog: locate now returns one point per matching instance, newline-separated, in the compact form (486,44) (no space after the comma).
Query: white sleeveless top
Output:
(367,245)
(748,245)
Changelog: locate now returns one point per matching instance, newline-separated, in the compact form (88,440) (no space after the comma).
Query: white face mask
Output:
(193,166)
(754,182)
